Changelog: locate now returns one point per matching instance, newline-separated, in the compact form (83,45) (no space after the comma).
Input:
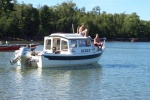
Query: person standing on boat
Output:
(97,41)
(83,31)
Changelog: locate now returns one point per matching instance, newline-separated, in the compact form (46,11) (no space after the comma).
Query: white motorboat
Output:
(60,49)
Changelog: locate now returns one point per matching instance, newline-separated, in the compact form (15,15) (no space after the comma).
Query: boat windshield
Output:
(81,43)
(73,43)
(84,43)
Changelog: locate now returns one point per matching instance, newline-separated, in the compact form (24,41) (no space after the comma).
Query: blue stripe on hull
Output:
(52,57)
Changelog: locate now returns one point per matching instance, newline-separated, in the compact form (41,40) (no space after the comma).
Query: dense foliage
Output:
(26,22)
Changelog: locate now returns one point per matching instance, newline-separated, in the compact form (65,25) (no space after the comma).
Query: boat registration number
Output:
(85,50)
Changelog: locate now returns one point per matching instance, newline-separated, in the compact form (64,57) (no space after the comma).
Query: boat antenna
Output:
(73,28)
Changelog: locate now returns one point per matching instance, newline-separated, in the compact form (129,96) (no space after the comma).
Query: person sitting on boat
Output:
(78,29)
(97,41)
(83,31)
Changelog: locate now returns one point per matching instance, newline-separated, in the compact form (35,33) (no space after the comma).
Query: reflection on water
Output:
(5,58)
(119,65)
(121,73)
(54,83)
(67,83)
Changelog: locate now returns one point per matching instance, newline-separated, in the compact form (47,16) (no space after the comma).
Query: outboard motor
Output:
(23,51)
(22,54)
(14,60)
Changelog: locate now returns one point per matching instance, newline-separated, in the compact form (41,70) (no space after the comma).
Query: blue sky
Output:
(141,7)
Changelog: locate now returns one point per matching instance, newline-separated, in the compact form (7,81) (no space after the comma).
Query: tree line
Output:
(27,22)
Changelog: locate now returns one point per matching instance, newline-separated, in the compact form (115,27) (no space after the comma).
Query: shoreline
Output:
(109,40)
(129,40)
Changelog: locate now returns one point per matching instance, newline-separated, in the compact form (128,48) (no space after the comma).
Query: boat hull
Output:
(45,61)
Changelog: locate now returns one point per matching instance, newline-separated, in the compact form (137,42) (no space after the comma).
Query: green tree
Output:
(96,10)
(131,25)
(65,13)
(29,21)
(25,21)
(6,6)
(45,16)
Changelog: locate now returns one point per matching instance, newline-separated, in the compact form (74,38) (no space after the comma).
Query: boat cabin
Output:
(67,44)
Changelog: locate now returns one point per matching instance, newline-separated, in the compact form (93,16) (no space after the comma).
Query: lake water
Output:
(122,73)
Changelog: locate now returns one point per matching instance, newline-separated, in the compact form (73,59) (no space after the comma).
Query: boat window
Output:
(88,43)
(73,43)
(84,43)
(48,44)
(64,45)
(56,43)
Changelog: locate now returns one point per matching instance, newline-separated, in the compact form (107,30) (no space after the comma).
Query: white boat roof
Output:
(68,35)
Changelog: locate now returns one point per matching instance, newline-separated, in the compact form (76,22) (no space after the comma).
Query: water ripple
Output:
(119,66)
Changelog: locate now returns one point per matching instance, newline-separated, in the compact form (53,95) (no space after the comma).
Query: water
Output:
(123,73)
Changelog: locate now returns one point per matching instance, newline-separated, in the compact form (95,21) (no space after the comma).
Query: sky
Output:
(140,7)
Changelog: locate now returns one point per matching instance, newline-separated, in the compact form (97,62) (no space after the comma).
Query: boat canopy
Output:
(67,36)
